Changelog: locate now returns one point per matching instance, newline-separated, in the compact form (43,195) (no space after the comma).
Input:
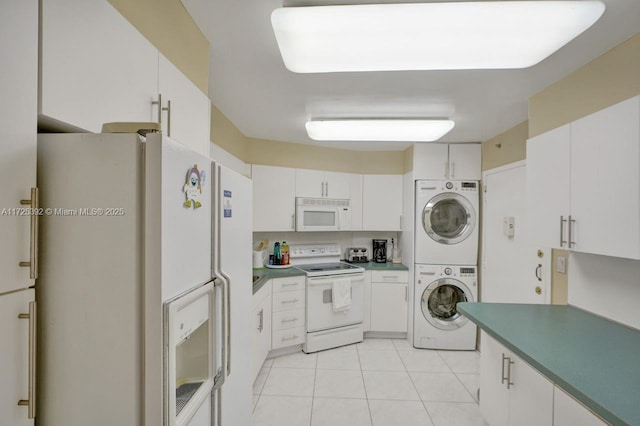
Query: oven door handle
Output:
(328,280)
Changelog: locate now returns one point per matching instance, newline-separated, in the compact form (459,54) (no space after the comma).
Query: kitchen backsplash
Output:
(344,239)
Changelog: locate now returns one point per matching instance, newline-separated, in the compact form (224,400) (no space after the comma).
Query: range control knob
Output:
(447,271)
(449,185)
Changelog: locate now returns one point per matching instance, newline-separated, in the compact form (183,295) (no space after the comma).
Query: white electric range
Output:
(327,327)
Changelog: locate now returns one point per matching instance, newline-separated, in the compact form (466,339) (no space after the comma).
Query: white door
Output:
(494,396)
(431,161)
(548,187)
(338,185)
(530,395)
(18,138)
(310,183)
(512,269)
(234,251)
(569,412)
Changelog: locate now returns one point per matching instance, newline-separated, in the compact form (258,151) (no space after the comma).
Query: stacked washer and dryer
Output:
(446,253)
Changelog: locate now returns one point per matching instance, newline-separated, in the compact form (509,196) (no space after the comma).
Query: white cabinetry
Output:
(389,301)
(447,161)
(96,67)
(18,142)
(511,391)
(14,357)
(356,197)
(322,184)
(261,331)
(583,183)
(273,198)
(569,412)
(189,114)
(288,322)
(382,202)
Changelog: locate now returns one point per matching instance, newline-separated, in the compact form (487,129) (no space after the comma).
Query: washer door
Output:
(439,303)
(448,218)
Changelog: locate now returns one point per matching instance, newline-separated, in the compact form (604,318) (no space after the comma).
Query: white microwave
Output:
(322,214)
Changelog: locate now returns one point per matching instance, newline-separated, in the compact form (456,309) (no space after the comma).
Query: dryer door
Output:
(448,218)
(439,303)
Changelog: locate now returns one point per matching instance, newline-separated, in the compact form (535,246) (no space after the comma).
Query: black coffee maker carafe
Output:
(380,251)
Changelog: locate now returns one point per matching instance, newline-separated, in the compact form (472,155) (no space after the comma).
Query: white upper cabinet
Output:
(274,198)
(605,181)
(322,184)
(548,186)
(96,67)
(447,161)
(188,117)
(382,202)
(583,183)
(356,202)
(465,161)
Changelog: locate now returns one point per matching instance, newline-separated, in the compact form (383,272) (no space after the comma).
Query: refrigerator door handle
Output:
(220,376)
(31,402)
(227,322)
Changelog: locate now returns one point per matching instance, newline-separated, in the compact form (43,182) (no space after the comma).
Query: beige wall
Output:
(507,147)
(607,80)
(559,282)
(167,25)
(227,136)
(408,159)
(301,156)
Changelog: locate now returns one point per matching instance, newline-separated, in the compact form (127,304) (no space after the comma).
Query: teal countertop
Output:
(266,274)
(594,359)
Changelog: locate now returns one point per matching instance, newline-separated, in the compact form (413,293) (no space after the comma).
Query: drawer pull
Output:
(390,277)
(294,319)
(289,301)
(284,339)
(290,284)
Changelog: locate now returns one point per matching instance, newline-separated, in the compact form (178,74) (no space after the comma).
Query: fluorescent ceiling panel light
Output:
(405,130)
(428,36)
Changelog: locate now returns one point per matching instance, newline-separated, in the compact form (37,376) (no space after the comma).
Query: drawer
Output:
(288,319)
(389,276)
(288,300)
(289,337)
(288,284)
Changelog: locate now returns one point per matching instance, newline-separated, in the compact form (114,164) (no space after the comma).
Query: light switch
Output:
(508,226)
(562,265)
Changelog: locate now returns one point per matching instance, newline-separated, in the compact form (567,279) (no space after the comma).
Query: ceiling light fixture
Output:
(365,129)
(428,36)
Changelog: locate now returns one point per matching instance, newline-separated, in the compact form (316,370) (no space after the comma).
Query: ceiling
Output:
(249,83)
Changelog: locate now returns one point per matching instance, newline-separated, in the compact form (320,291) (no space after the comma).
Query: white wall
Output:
(606,286)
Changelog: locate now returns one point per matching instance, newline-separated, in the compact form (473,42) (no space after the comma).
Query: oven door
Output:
(317,218)
(320,314)
(189,356)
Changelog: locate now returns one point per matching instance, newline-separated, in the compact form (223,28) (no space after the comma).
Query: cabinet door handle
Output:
(571,242)
(293,222)
(289,284)
(453,170)
(161,109)
(509,382)
(284,320)
(261,322)
(168,109)
(34,204)
(31,402)
(406,293)
(289,301)
(159,103)
(562,222)
(284,339)
(327,183)
(502,376)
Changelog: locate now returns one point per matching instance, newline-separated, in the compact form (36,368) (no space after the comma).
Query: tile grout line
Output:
(364,385)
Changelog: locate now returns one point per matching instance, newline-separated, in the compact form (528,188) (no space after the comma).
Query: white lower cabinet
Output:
(14,358)
(289,312)
(511,391)
(389,301)
(569,412)
(261,337)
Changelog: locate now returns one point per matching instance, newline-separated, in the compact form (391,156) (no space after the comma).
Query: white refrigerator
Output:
(128,227)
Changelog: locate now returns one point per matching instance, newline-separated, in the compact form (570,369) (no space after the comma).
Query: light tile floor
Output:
(378,382)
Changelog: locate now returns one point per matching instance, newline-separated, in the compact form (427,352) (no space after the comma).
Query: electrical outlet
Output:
(562,265)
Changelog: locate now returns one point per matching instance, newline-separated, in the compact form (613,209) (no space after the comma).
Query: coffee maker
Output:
(380,251)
